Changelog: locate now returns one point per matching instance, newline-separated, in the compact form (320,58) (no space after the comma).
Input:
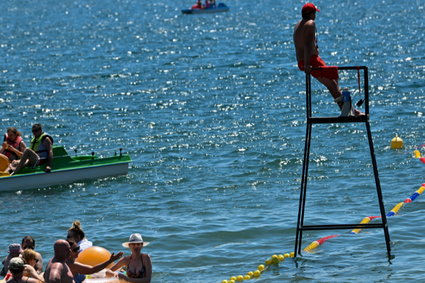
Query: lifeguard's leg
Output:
(332,86)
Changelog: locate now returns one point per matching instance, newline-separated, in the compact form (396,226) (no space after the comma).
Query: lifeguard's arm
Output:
(309,42)
(77,267)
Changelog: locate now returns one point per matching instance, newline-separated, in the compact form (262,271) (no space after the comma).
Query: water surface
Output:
(211,109)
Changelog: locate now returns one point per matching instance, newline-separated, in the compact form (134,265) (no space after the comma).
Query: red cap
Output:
(309,7)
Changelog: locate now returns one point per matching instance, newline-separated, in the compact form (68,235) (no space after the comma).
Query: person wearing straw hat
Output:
(138,265)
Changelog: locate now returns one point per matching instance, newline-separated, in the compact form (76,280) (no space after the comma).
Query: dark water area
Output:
(212,110)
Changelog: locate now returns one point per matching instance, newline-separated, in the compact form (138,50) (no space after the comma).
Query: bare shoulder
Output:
(310,24)
(126,259)
(146,256)
(47,140)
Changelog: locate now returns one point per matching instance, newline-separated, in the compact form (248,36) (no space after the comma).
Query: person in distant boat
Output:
(76,234)
(28,243)
(40,151)
(57,270)
(13,145)
(307,53)
(30,258)
(210,4)
(139,265)
(79,269)
(198,5)
(16,268)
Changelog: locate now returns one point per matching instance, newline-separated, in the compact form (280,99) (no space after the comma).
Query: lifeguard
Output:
(307,52)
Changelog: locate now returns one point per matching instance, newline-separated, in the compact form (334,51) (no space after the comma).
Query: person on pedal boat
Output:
(40,151)
(13,145)
(198,5)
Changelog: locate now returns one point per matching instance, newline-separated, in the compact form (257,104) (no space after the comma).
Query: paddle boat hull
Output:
(221,7)
(66,170)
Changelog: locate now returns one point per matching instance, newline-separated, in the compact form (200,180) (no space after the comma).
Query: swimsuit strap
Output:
(141,272)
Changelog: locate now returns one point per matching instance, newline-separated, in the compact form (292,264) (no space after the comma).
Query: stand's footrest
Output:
(342,226)
(329,120)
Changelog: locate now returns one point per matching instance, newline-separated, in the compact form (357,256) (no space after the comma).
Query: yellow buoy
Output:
(396,142)
(417,153)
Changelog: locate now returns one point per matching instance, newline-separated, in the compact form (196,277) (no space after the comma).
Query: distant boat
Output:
(66,169)
(221,7)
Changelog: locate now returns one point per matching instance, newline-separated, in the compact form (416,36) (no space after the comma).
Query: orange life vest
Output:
(15,144)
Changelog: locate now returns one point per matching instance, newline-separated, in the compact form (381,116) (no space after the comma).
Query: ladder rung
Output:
(342,226)
(328,120)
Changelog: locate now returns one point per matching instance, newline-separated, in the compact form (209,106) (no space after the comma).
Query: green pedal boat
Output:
(66,169)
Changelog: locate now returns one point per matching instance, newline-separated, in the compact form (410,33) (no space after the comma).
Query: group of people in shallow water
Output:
(208,4)
(19,155)
(24,264)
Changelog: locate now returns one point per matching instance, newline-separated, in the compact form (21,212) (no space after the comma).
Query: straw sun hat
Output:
(135,239)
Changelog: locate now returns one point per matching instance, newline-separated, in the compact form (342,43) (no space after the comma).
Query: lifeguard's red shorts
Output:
(330,72)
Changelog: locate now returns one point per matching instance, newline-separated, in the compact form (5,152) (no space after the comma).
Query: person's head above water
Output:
(62,250)
(75,232)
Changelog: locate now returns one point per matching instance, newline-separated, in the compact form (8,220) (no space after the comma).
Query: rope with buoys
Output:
(276,259)
(273,260)
(417,154)
(365,220)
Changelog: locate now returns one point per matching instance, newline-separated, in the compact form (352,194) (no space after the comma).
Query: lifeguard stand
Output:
(303,191)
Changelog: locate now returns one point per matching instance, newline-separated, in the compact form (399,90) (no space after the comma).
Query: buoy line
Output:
(276,259)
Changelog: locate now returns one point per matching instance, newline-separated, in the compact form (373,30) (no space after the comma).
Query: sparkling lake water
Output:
(212,110)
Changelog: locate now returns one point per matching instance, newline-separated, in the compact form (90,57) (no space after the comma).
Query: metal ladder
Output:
(326,120)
